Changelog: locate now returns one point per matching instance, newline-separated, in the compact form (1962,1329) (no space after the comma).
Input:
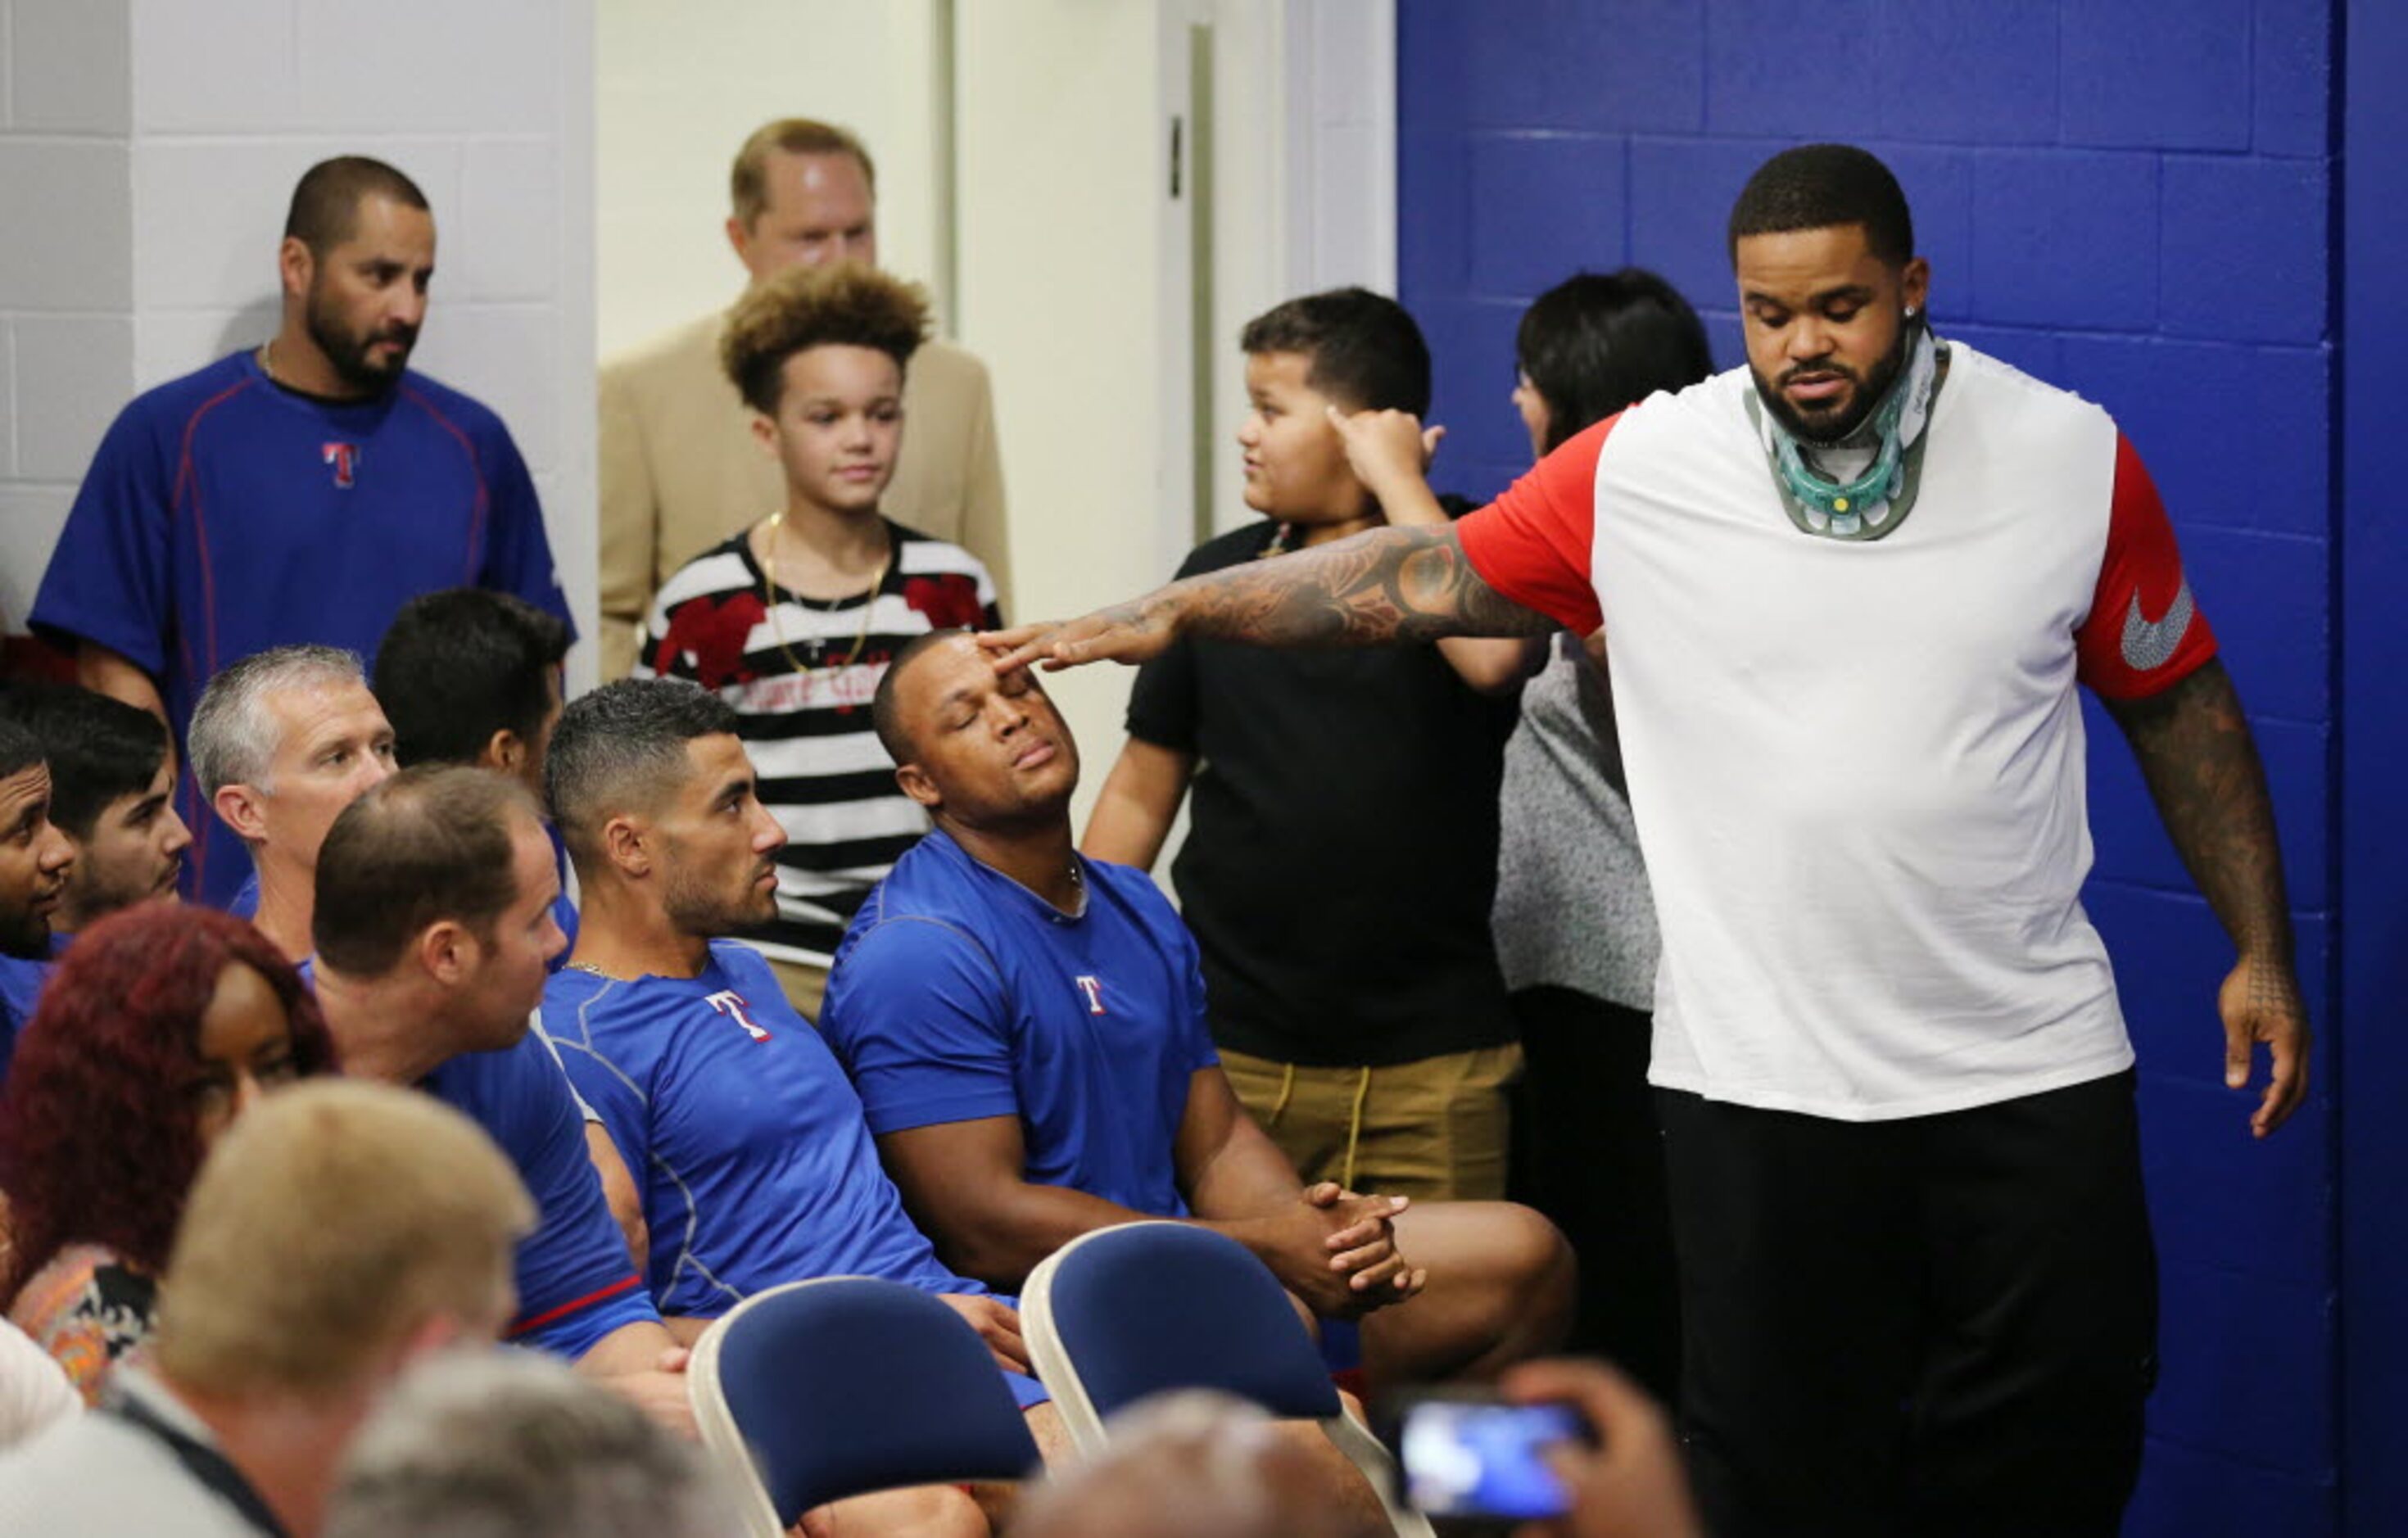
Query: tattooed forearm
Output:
(1387,585)
(2202,770)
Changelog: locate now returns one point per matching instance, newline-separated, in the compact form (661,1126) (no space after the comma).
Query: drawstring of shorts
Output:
(1354,1117)
(1354,1128)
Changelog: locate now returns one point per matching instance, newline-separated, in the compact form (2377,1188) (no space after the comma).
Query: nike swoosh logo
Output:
(2148,644)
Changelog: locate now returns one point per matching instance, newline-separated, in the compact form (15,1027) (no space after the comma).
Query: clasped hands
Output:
(1338,1252)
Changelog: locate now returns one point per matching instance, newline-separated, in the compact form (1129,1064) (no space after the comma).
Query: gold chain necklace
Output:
(777,626)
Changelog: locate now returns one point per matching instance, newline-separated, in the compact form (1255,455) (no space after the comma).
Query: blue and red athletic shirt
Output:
(748,1141)
(960,995)
(223,515)
(576,1281)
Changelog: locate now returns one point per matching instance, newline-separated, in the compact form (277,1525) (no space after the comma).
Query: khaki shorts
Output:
(1434,1130)
(805,984)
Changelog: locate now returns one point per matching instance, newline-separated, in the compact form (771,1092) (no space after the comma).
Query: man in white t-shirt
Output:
(1847,595)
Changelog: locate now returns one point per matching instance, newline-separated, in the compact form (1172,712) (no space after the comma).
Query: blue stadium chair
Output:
(1123,1312)
(817,1390)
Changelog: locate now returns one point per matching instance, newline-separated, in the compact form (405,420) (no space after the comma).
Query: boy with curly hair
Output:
(793,621)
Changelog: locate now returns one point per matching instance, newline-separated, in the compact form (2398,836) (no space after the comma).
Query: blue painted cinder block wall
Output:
(2132,199)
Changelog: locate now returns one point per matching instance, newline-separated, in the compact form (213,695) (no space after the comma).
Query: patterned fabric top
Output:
(89,1308)
(1572,908)
(800,672)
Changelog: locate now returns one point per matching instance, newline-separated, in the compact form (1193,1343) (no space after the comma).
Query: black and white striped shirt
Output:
(788,666)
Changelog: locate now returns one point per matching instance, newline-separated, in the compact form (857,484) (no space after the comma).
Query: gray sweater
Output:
(1572,908)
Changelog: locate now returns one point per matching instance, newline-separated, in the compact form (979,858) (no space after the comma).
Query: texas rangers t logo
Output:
(1094,988)
(345,457)
(728,1003)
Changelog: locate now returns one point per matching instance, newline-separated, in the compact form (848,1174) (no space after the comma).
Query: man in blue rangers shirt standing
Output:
(300,491)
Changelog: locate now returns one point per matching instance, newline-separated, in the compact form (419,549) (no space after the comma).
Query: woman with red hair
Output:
(160,1027)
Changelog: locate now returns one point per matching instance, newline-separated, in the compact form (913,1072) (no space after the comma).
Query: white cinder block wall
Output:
(148,150)
(67,285)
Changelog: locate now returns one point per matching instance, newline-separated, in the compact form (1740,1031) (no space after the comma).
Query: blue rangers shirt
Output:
(747,1139)
(21,980)
(959,994)
(21,990)
(576,1281)
(225,514)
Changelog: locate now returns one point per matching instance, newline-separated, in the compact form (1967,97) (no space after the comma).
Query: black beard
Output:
(1869,393)
(348,353)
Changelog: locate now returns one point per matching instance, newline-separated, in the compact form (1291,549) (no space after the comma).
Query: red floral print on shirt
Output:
(948,599)
(706,640)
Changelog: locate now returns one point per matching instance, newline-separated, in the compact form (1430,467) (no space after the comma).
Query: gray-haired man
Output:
(281,742)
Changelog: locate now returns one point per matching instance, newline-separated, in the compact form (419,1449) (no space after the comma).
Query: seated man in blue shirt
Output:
(755,1166)
(34,860)
(471,676)
(1025,1027)
(433,923)
(110,775)
(113,784)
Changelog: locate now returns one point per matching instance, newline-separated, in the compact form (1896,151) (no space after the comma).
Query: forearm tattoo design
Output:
(1382,586)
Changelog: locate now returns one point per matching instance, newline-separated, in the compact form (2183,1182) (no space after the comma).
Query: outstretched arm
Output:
(1380,587)
(2202,770)
(1391,453)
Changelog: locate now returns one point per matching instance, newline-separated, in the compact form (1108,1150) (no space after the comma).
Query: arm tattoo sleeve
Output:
(2202,770)
(1379,587)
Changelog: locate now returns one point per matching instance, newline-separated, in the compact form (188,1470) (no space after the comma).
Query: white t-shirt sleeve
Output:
(33,1388)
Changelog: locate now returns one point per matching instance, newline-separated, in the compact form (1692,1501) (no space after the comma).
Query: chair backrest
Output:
(817,1390)
(1142,1307)
(1126,1312)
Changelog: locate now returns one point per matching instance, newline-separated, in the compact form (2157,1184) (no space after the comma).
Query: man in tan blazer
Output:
(680,468)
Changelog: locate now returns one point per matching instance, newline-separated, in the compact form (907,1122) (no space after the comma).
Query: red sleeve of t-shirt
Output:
(2144,634)
(1532,544)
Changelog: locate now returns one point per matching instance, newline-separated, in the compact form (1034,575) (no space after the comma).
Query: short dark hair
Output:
(1817,186)
(458,666)
(98,748)
(1365,353)
(840,303)
(327,200)
(1597,342)
(884,715)
(432,843)
(622,746)
(20,749)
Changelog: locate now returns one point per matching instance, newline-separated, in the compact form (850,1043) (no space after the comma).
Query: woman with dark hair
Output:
(1575,931)
(1597,342)
(160,1027)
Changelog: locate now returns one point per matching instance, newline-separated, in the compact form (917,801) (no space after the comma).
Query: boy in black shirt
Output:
(1348,972)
